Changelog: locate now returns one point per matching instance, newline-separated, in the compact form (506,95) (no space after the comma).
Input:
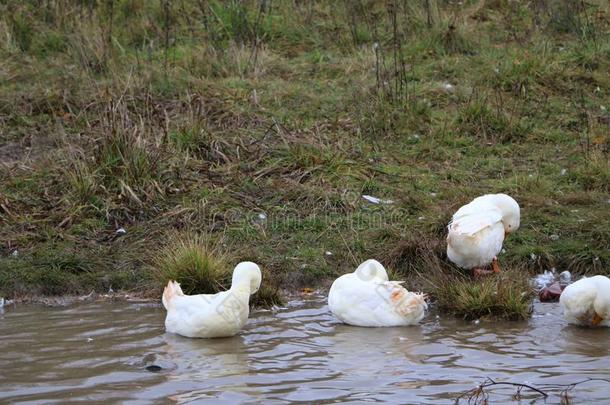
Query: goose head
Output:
(248,274)
(511,214)
(371,270)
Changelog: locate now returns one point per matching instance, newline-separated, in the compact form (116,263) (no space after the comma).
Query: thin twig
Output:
(478,393)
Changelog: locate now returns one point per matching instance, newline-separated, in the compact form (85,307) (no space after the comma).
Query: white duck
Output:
(478,229)
(587,301)
(212,315)
(366,298)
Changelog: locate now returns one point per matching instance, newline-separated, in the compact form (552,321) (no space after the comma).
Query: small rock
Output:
(328,253)
(433,194)
(262,216)
(554,237)
(563,172)
(550,293)
(121,231)
(565,278)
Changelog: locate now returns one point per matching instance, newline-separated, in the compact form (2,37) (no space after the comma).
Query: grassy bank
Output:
(261,124)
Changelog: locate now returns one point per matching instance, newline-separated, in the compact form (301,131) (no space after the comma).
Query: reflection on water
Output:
(101,352)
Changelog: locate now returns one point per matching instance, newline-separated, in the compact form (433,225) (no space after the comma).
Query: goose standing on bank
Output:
(587,301)
(366,298)
(477,231)
(212,315)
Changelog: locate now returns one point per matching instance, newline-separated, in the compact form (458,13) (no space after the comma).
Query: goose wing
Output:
(474,222)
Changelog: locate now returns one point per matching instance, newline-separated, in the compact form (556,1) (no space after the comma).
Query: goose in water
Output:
(587,301)
(366,298)
(212,315)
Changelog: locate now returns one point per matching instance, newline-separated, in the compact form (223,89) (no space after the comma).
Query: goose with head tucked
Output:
(367,298)
(586,302)
(478,229)
(212,315)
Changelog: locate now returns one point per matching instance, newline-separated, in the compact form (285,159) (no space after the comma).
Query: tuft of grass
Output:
(269,295)
(476,118)
(507,295)
(22,31)
(454,41)
(82,181)
(201,267)
(194,262)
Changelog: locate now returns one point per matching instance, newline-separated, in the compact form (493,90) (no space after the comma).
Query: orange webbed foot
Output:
(495,266)
(477,273)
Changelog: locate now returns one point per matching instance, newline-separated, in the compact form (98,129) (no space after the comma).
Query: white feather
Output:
(372,300)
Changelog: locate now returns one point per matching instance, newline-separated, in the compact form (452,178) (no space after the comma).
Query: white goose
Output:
(212,315)
(587,301)
(478,229)
(366,298)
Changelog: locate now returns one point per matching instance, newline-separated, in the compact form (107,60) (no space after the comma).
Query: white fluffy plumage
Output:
(367,298)
(477,230)
(212,315)
(587,301)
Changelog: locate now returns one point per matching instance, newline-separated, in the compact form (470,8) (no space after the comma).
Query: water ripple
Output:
(100,352)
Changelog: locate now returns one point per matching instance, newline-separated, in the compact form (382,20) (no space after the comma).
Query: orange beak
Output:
(596,320)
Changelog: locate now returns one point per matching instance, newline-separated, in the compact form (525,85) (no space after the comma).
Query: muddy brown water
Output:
(118,352)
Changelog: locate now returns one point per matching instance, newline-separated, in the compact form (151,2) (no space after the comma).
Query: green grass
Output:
(191,261)
(202,268)
(507,295)
(193,117)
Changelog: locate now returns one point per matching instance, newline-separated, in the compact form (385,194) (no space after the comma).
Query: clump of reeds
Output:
(193,261)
